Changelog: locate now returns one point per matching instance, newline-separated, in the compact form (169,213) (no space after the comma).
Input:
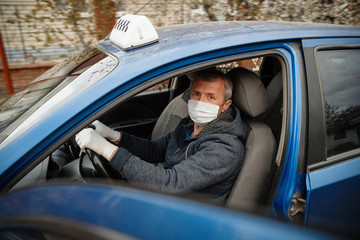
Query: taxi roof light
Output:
(132,31)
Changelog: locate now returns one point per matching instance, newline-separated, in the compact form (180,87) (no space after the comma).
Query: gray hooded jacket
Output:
(208,162)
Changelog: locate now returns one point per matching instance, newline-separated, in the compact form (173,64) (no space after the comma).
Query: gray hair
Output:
(211,76)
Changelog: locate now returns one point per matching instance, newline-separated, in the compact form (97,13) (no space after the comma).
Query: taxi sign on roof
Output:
(132,31)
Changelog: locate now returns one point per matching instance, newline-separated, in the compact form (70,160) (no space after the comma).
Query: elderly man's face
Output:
(210,92)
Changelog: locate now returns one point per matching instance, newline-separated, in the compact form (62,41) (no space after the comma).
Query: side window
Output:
(164,84)
(340,76)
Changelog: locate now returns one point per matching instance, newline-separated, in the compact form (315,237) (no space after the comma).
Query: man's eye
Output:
(211,97)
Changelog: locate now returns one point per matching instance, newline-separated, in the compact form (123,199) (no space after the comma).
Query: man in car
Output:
(203,154)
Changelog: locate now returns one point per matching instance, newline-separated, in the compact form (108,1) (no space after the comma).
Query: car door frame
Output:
(287,181)
(291,178)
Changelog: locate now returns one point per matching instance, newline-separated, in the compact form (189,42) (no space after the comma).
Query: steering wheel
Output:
(100,164)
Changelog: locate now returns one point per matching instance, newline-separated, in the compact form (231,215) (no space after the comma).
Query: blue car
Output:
(302,159)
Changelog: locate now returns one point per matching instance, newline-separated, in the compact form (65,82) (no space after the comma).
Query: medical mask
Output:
(201,112)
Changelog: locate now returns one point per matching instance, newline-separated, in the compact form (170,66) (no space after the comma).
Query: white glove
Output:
(106,132)
(89,138)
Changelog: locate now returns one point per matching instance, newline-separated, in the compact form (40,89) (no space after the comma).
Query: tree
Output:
(321,11)
(104,12)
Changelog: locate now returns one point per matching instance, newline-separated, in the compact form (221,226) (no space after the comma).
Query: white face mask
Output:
(201,112)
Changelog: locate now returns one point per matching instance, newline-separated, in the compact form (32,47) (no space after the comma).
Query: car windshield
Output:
(22,104)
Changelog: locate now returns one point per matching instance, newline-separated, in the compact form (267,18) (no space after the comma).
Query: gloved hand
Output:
(106,132)
(89,138)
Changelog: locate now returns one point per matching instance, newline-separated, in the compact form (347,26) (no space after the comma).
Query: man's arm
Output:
(212,163)
(97,140)
(145,149)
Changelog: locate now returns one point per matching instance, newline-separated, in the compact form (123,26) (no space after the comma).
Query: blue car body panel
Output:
(333,196)
(144,215)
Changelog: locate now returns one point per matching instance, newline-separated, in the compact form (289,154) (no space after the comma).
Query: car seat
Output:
(271,76)
(171,115)
(250,97)
(251,185)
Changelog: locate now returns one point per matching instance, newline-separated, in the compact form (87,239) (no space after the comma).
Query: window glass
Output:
(30,235)
(18,107)
(253,64)
(164,84)
(340,76)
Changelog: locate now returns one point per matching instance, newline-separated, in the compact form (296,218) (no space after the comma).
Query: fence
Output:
(27,41)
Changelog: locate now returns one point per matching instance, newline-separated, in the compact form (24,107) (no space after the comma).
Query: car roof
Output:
(245,32)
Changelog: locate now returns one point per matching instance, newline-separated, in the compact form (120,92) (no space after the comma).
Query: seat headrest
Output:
(249,93)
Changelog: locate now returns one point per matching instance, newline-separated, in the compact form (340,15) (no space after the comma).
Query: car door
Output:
(96,211)
(32,227)
(333,161)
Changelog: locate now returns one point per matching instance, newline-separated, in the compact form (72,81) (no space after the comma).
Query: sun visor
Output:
(132,31)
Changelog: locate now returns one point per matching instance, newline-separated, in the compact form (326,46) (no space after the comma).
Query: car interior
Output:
(258,93)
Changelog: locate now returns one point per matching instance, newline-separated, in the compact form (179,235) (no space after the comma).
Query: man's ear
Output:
(226,105)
